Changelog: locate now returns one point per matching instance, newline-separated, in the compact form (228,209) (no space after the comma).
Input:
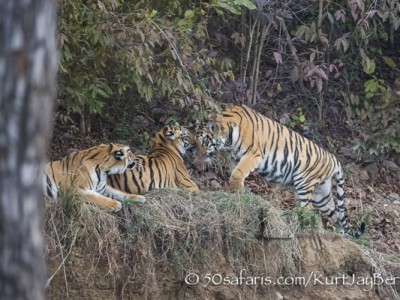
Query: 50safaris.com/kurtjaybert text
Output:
(314,278)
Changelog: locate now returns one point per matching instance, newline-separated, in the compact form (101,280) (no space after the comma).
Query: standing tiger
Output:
(282,156)
(163,167)
(87,171)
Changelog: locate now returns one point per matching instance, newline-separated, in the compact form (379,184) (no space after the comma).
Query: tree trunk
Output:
(28,63)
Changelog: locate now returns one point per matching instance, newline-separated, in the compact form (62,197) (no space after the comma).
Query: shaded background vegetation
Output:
(316,66)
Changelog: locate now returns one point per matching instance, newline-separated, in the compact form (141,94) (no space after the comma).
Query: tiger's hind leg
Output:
(304,194)
(322,200)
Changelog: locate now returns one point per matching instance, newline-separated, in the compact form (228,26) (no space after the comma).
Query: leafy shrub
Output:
(113,48)
(191,54)
(377,111)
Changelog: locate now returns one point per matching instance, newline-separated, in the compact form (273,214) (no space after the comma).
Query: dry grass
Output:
(380,265)
(178,231)
(174,229)
(72,222)
(222,164)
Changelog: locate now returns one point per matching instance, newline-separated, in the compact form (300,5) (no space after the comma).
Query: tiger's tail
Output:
(340,208)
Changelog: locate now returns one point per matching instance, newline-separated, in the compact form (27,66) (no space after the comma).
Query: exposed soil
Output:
(325,259)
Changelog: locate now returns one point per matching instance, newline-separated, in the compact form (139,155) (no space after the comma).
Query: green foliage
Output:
(232,6)
(143,139)
(298,118)
(363,241)
(117,48)
(347,40)
(122,132)
(307,218)
(70,199)
(188,53)
(378,112)
(173,121)
(369,66)
(83,82)
(389,61)
(374,87)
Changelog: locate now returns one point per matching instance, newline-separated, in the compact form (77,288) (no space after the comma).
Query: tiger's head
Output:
(170,136)
(223,126)
(205,143)
(199,141)
(115,158)
(171,132)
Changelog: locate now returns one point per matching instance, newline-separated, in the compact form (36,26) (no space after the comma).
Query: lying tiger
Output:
(163,167)
(87,171)
(282,156)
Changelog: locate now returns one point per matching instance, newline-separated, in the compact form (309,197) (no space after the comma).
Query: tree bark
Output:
(28,63)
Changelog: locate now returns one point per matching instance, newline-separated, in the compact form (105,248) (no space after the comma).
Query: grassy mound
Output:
(173,228)
(176,232)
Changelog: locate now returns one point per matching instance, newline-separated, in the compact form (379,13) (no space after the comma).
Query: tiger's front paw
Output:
(235,187)
(116,206)
(194,189)
(139,199)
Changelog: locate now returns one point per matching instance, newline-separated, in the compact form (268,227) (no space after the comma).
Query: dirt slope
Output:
(205,246)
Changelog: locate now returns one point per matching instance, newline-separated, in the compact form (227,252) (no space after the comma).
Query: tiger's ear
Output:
(169,133)
(170,136)
(118,154)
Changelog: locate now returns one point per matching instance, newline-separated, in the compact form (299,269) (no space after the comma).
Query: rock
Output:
(279,296)
(392,166)
(215,185)
(209,175)
(143,121)
(364,175)
(285,119)
(373,170)
(247,190)
(394,197)
(349,153)
(371,189)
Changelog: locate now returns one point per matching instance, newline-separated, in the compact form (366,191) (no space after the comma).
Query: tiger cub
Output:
(282,156)
(163,167)
(87,171)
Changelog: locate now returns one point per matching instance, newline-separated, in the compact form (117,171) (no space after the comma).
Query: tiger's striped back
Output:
(163,167)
